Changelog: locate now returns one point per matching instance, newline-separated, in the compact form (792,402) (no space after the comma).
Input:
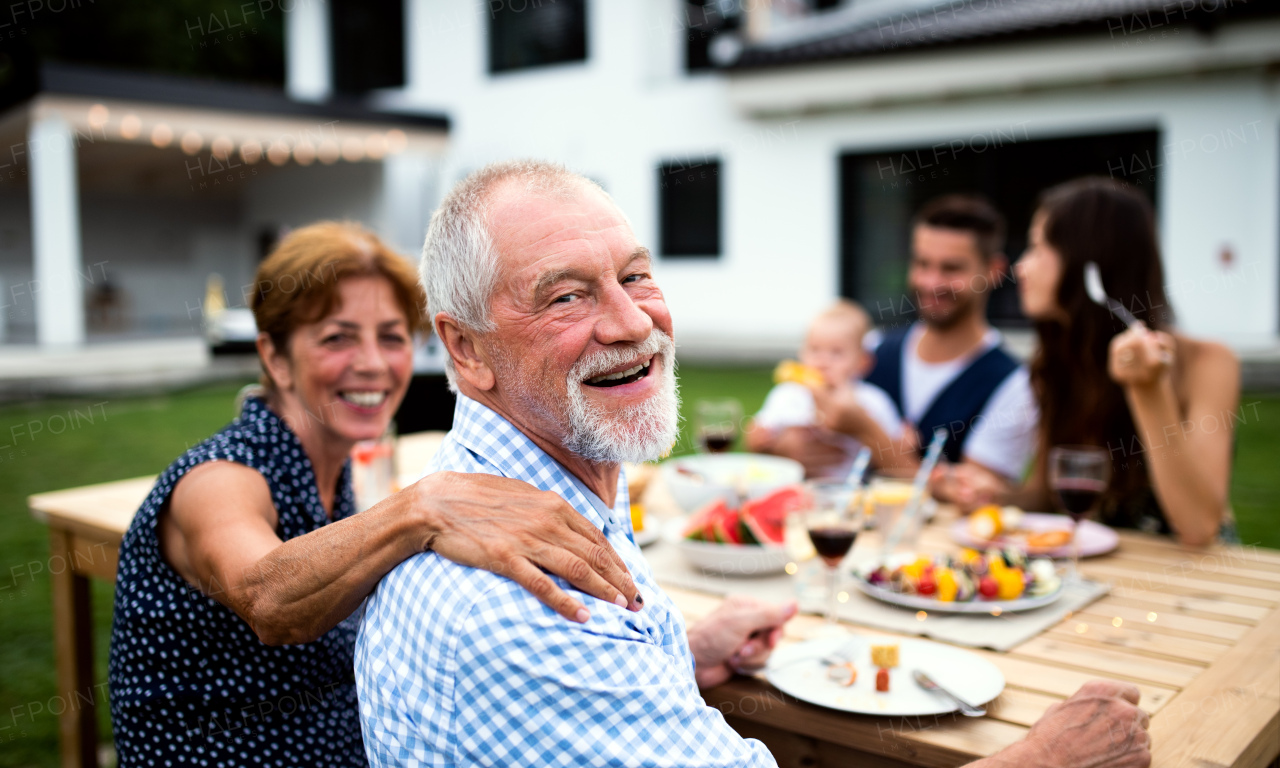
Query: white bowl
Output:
(726,559)
(718,475)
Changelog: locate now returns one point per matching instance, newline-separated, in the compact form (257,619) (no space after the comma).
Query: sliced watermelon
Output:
(725,526)
(766,517)
(745,534)
(700,527)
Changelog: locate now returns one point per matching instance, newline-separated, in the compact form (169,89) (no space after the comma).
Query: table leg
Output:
(73,640)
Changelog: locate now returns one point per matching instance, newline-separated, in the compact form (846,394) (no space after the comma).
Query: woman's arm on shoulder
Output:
(219,534)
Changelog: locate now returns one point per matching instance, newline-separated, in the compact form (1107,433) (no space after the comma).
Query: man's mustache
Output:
(658,343)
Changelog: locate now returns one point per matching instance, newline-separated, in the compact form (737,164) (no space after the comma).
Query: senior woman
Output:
(1160,402)
(233,636)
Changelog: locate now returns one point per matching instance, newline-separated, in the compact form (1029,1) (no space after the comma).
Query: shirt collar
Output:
(493,438)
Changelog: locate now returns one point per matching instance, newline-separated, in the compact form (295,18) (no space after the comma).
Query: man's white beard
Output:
(641,432)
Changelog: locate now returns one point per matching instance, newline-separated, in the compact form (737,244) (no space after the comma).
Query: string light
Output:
(352,149)
(161,135)
(98,115)
(328,152)
(130,127)
(251,152)
(396,141)
(221,147)
(192,142)
(304,153)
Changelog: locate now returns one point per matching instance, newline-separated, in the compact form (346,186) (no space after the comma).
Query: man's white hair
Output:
(459,268)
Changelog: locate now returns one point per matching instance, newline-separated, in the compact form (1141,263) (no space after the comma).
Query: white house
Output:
(771,152)
(826,123)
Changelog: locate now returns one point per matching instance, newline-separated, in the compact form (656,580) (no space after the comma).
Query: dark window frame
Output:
(504,30)
(690,197)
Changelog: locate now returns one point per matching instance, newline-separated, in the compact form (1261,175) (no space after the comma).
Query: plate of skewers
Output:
(991,582)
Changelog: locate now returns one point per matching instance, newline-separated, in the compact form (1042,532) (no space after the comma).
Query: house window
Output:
(368,44)
(704,22)
(536,33)
(689,208)
(880,193)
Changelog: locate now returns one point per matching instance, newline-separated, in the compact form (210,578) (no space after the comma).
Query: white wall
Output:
(630,106)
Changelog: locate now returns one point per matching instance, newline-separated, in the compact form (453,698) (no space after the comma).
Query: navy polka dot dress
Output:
(191,684)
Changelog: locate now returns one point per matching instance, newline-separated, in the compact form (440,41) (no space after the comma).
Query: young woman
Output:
(233,633)
(1160,403)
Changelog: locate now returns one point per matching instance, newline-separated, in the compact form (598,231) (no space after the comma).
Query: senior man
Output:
(560,347)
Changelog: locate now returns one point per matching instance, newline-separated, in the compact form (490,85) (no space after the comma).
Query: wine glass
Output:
(717,424)
(1078,476)
(833,522)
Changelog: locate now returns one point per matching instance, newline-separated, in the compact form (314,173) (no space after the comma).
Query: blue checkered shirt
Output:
(457,666)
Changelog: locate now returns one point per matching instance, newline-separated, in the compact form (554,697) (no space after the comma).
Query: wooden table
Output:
(1198,631)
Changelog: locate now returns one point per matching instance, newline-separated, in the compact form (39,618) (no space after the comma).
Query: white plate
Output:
(796,670)
(921,603)
(726,559)
(719,475)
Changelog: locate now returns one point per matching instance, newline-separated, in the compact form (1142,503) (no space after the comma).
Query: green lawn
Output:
(137,436)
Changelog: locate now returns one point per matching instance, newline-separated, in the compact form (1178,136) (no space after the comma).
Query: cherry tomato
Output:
(988,587)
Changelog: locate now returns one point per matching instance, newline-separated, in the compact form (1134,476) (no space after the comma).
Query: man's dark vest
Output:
(957,405)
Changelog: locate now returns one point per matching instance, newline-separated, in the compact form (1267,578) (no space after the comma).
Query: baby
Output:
(787,423)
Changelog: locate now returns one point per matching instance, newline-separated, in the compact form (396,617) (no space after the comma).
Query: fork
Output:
(841,655)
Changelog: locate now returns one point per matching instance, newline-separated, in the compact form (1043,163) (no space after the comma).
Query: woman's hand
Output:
(736,638)
(1140,357)
(512,529)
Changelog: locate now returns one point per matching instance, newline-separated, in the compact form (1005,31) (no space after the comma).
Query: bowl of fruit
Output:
(695,481)
(993,581)
(743,539)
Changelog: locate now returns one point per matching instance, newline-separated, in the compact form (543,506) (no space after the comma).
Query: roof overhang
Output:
(218,120)
(1002,68)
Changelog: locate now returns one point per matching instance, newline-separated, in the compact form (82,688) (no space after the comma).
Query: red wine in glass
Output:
(717,441)
(1078,476)
(1078,495)
(832,544)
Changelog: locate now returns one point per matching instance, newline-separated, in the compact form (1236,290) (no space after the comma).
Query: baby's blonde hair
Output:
(844,309)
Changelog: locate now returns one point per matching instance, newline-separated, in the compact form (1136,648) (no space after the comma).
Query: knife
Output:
(928,684)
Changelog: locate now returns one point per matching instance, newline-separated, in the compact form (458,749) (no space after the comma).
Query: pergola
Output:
(178,137)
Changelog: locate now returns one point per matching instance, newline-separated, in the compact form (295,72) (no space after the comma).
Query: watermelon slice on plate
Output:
(766,517)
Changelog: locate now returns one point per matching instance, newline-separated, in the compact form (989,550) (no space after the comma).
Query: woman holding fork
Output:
(1162,405)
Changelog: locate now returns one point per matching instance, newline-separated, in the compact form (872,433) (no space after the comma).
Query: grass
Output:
(139,436)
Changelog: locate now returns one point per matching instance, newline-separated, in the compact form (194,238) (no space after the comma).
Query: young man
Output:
(948,369)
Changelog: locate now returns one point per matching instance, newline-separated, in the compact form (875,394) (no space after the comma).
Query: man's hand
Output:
(837,409)
(814,448)
(967,485)
(1098,727)
(737,637)
(512,529)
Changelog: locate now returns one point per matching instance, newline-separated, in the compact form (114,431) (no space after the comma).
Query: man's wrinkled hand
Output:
(1100,726)
(737,638)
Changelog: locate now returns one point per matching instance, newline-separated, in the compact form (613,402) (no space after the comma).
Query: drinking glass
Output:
(717,423)
(833,522)
(373,469)
(1078,476)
